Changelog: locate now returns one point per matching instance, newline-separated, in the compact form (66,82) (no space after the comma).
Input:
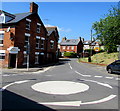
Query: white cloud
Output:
(60,29)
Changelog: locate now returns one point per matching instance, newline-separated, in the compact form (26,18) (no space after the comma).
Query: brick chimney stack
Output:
(33,7)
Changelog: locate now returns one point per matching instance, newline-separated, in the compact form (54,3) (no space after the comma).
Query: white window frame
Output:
(72,47)
(25,56)
(63,47)
(38,27)
(2,38)
(28,21)
(36,57)
(37,43)
(2,54)
(42,44)
(52,44)
(26,35)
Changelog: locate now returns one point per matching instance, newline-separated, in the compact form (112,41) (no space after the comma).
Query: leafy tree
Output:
(108,30)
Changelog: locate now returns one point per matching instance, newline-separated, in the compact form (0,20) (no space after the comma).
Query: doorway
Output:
(12,60)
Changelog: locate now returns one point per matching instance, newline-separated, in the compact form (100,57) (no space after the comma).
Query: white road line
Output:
(109,77)
(103,84)
(78,103)
(98,76)
(83,74)
(70,66)
(66,103)
(78,73)
(117,79)
(101,100)
(17,82)
(86,75)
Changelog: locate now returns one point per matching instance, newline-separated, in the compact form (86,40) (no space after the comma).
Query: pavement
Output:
(33,69)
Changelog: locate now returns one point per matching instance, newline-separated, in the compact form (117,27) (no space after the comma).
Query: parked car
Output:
(113,67)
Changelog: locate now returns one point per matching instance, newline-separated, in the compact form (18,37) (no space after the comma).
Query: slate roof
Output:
(16,17)
(50,30)
(19,17)
(70,42)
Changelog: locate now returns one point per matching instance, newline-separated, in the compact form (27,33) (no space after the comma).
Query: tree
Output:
(108,29)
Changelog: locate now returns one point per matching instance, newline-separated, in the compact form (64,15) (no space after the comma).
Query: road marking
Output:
(109,77)
(66,103)
(103,84)
(101,100)
(78,73)
(117,79)
(70,66)
(60,87)
(98,76)
(78,103)
(83,74)
(17,82)
(86,75)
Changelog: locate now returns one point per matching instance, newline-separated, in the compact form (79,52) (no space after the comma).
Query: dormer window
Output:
(28,24)
(2,18)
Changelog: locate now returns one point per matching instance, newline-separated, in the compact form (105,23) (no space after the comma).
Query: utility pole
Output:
(89,58)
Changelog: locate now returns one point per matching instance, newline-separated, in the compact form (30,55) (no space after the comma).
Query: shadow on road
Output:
(15,102)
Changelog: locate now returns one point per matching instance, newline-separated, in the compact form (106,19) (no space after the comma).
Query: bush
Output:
(70,54)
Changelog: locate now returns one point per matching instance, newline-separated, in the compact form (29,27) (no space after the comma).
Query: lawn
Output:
(102,58)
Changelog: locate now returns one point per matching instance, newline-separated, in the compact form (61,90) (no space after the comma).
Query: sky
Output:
(73,19)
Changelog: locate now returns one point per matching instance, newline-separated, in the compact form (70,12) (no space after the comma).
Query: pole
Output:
(119,53)
(28,52)
(91,43)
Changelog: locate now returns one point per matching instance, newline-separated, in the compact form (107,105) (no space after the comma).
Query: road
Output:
(68,85)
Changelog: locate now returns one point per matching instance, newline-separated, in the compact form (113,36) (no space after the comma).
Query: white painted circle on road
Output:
(60,87)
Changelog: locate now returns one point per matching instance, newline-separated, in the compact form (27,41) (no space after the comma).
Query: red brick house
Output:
(23,37)
(52,46)
(71,45)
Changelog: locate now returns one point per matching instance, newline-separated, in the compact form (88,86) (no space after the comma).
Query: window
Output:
(1,39)
(68,47)
(25,58)
(38,27)
(36,57)
(28,24)
(2,54)
(63,47)
(26,40)
(72,47)
(51,44)
(37,42)
(42,43)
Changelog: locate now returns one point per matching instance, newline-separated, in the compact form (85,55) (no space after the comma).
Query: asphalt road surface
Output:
(68,85)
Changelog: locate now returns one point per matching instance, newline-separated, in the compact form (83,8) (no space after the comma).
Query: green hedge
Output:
(70,54)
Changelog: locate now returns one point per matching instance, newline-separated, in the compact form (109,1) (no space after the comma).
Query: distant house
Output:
(52,44)
(86,44)
(97,46)
(23,37)
(71,45)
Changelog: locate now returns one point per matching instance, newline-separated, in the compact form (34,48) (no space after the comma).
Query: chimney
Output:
(33,7)
(64,38)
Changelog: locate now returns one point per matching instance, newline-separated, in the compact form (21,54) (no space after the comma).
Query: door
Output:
(12,60)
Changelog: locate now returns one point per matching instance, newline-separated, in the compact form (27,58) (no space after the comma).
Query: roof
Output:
(51,29)
(19,17)
(70,42)
(16,17)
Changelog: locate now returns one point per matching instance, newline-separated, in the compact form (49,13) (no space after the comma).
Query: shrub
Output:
(70,54)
